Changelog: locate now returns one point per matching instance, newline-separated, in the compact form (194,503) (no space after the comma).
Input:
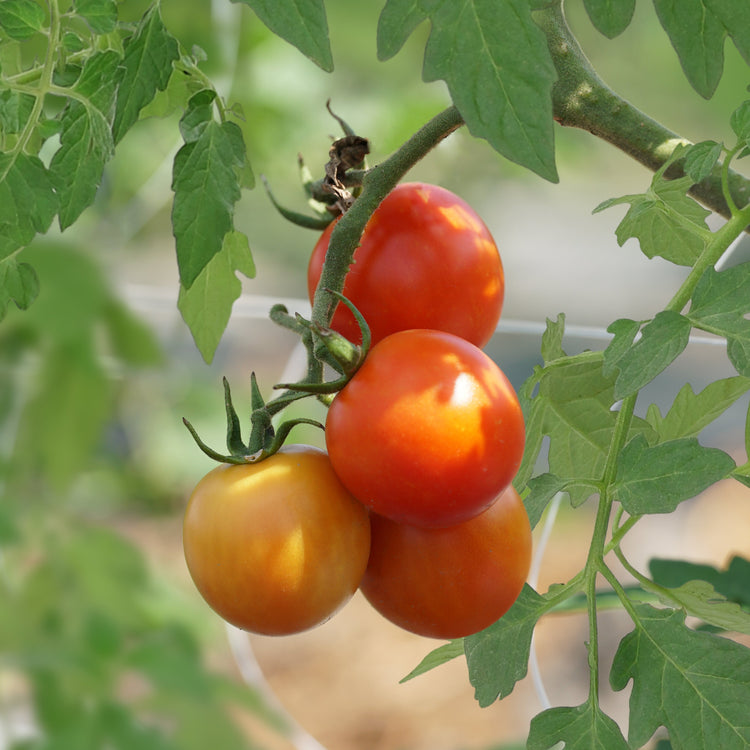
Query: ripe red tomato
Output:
(426,260)
(450,582)
(429,430)
(276,547)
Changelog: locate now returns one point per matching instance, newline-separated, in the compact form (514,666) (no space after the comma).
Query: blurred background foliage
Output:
(102,641)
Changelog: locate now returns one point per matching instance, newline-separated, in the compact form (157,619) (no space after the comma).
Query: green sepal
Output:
(235,446)
(318,223)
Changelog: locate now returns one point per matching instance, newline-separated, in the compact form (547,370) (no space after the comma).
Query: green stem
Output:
(581,99)
(376,184)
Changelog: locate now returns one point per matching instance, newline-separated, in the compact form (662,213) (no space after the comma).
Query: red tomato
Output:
(451,582)
(428,431)
(426,260)
(276,547)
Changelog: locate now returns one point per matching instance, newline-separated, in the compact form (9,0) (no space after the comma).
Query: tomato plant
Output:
(454,581)
(429,431)
(425,260)
(276,547)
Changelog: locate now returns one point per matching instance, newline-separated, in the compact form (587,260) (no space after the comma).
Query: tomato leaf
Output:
(436,658)
(735,16)
(624,332)
(28,202)
(584,727)
(86,138)
(101,15)
(542,488)
(206,182)
(146,68)
(207,305)
(302,23)
(552,339)
(21,19)
(662,340)
(611,17)
(733,583)
(697,36)
(665,221)
(18,283)
(498,656)
(495,61)
(691,412)
(695,684)
(656,479)
(701,159)
(720,304)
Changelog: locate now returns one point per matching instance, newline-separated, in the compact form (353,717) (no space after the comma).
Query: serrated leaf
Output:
(101,15)
(697,36)
(665,221)
(86,138)
(15,110)
(584,727)
(656,479)
(740,122)
(146,69)
(735,16)
(552,339)
(18,283)
(691,412)
(721,301)
(21,19)
(437,657)
(542,489)
(302,23)
(732,583)
(700,599)
(695,684)
(206,183)
(498,656)
(496,63)
(207,305)
(397,21)
(623,333)
(701,158)
(610,17)
(28,202)
(662,340)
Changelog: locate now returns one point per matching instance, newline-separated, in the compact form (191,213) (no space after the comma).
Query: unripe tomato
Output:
(426,260)
(429,431)
(451,582)
(276,547)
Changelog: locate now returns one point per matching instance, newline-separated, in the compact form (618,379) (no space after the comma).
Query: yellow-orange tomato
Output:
(454,581)
(276,547)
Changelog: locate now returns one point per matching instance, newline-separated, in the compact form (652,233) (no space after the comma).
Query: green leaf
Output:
(552,339)
(624,331)
(611,17)
(436,658)
(496,63)
(574,407)
(700,599)
(584,727)
(206,183)
(101,15)
(662,340)
(691,412)
(695,684)
(697,36)
(740,122)
(656,479)
(701,159)
(146,68)
(397,21)
(18,283)
(498,656)
(732,583)
(542,488)
(664,220)
(15,110)
(207,305)
(132,340)
(86,139)
(721,301)
(21,19)
(28,202)
(302,23)
(735,16)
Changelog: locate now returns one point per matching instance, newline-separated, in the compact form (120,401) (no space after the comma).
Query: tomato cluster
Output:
(413,502)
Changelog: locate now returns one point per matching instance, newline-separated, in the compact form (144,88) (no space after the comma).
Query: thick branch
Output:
(582,100)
